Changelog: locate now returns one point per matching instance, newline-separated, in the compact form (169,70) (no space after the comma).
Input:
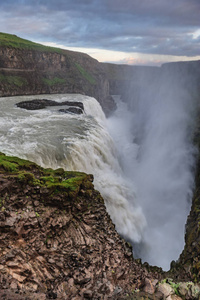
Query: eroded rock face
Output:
(32,72)
(187,268)
(58,242)
(56,239)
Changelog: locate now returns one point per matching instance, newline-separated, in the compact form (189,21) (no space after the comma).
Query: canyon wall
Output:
(31,71)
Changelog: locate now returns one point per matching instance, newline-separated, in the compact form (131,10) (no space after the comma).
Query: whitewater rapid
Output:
(74,142)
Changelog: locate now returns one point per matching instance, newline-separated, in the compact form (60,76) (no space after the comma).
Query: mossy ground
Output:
(28,172)
(86,74)
(10,40)
(54,81)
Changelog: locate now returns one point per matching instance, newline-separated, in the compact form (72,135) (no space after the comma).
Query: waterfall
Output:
(142,159)
(73,142)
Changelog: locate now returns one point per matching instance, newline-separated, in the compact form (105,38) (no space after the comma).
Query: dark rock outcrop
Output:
(74,107)
(73,110)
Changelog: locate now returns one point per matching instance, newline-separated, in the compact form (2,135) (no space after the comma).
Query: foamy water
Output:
(73,142)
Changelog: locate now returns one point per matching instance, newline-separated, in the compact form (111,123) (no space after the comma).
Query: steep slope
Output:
(42,211)
(56,238)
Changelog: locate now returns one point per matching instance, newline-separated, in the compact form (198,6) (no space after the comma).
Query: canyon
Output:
(39,202)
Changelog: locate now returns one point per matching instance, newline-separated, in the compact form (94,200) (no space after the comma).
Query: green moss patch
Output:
(85,74)
(56,181)
(10,40)
(69,180)
(54,81)
(14,164)
(13,80)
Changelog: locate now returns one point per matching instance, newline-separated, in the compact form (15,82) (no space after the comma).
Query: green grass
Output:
(57,180)
(52,187)
(14,164)
(13,80)
(13,41)
(85,74)
(54,81)
(70,180)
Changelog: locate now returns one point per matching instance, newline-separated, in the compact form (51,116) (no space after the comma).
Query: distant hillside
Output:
(31,68)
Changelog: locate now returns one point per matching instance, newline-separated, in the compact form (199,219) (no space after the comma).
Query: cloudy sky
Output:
(146,32)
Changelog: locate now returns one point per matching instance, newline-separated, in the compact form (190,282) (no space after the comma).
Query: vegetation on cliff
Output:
(13,41)
(58,242)
(10,81)
(31,68)
(56,238)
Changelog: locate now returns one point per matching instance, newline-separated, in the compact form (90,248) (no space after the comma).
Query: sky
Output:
(138,32)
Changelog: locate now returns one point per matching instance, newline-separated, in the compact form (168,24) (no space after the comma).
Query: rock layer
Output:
(58,242)
(56,239)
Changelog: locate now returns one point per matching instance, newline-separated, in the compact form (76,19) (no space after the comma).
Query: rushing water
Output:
(73,142)
(141,162)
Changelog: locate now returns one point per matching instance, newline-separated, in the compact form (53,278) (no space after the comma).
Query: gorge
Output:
(142,153)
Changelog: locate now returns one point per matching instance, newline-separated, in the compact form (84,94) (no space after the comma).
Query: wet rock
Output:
(43,103)
(73,110)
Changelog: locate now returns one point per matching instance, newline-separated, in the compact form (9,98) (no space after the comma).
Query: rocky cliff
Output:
(29,68)
(57,240)
(188,265)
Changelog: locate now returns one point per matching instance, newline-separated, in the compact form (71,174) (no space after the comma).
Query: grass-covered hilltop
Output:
(57,240)
(10,40)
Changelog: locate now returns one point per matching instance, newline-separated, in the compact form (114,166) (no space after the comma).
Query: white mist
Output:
(157,156)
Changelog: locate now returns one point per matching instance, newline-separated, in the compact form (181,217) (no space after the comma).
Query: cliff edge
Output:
(56,239)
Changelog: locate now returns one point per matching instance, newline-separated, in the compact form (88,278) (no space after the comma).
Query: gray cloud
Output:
(148,26)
